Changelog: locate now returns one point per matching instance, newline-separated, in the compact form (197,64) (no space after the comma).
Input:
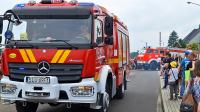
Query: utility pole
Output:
(160,39)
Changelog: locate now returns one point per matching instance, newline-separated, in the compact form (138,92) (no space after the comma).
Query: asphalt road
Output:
(142,96)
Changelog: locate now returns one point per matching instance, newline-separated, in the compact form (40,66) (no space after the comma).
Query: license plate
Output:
(38,80)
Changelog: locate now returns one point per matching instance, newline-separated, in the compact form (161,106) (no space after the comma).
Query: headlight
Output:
(7,88)
(79,91)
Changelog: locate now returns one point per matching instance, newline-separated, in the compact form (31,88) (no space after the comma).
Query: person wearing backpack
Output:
(189,69)
(173,80)
(182,69)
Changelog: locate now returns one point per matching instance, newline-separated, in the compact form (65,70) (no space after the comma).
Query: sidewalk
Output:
(168,106)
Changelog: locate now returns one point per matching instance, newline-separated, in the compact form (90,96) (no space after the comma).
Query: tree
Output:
(180,43)
(193,46)
(172,39)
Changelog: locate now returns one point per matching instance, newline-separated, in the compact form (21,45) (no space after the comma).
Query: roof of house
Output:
(192,34)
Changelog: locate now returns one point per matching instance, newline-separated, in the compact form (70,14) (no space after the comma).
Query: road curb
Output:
(161,105)
(161,98)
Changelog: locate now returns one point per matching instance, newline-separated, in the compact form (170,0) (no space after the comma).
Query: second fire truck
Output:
(150,58)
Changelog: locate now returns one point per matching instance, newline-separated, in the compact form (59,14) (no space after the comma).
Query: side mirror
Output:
(1,25)
(109,40)
(108,26)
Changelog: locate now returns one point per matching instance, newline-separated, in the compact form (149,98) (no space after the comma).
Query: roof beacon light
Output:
(57,1)
(73,2)
(52,1)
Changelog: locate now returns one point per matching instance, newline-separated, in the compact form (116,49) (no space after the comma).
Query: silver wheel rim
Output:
(107,102)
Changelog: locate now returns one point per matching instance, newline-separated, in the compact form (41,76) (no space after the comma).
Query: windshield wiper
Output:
(27,45)
(64,41)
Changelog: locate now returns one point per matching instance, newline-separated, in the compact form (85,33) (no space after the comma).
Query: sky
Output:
(146,18)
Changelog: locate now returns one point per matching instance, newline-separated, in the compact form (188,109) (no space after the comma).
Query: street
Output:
(142,95)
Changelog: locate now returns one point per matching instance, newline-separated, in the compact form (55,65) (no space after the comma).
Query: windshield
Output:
(75,31)
(142,52)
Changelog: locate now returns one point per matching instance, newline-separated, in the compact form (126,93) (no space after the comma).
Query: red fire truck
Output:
(150,58)
(63,52)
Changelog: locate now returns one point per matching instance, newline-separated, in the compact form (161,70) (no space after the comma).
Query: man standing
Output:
(182,69)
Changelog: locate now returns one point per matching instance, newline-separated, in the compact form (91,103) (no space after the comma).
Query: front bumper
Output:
(54,89)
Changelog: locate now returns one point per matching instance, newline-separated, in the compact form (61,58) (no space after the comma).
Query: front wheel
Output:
(153,65)
(106,98)
(121,90)
(26,106)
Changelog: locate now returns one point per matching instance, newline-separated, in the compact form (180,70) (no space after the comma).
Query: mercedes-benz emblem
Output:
(43,67)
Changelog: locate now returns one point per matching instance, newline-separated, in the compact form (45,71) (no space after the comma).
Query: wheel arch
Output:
(106,73)
(151,60)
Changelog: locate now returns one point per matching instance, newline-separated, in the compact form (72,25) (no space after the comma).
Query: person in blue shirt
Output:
(182,69)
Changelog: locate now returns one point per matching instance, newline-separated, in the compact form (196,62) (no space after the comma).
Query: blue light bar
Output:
(86,4)
(21,68)
(20,5)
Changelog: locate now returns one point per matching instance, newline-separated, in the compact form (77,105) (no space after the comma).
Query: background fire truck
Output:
(63,52)
(150,58)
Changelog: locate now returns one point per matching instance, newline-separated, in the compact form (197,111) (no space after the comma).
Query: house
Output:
(193,37)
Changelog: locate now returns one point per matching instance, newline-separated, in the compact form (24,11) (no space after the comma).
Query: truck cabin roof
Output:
(53,10)
(62,10)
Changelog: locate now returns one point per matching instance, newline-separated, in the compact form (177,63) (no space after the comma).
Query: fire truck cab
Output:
(149,58)
(63,52)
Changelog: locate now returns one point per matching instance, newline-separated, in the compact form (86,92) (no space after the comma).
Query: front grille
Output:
(65,73)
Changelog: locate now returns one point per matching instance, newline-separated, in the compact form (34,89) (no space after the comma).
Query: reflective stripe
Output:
(31,56)
(113,61)
(57,56)
(64,56)
(24,55)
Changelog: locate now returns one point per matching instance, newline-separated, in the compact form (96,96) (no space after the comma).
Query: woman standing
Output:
(196,85)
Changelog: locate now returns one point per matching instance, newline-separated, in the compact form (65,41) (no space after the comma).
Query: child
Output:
(173,76)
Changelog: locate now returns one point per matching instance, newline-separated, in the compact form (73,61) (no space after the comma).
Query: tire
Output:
(107,97)
(125,83)
(153,65)
(29,107)
(121,90)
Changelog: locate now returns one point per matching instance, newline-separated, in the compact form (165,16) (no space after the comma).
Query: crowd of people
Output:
(183,77)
